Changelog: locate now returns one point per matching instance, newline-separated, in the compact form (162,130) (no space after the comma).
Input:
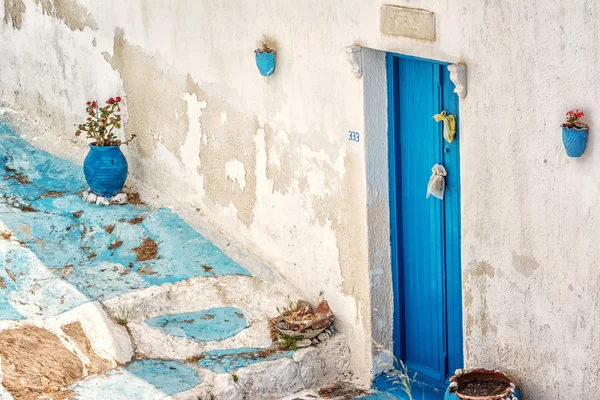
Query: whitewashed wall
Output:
(268,160)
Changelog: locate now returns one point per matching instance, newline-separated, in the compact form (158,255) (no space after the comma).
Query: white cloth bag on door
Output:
(437,182)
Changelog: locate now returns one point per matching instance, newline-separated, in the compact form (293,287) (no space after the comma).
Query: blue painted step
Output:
(228,360)
(214,324)
(148,380)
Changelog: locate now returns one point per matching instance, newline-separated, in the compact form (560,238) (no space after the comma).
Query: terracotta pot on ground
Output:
(482,384)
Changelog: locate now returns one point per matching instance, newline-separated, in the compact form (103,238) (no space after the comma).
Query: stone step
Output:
(81,350)
(222,375)
(254,300)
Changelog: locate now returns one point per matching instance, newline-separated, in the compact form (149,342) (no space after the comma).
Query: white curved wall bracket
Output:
(458,76)
(354,56)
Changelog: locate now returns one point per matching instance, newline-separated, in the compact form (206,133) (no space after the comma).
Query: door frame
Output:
(399,323)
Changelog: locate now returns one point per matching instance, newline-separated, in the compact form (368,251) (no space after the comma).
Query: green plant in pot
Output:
(105,166)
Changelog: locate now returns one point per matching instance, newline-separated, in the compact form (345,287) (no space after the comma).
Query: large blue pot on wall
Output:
(105,170)
(574,140)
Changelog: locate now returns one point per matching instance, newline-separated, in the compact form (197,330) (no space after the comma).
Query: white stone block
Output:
(85,195)
(269,379)
(102,201)
(309,366)
(226,389)
(303,343)
(120,198)
(92,197)
(108,339)
(335,358)
(409,22)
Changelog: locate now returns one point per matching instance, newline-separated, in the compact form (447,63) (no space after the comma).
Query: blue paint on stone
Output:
(7,312)
(45,171)
(184,252)
(214,324)
(40,203)
(228,360)
(169,377)
(148,380)
(31,289)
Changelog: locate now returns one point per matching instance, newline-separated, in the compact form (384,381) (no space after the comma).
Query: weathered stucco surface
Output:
(268,161)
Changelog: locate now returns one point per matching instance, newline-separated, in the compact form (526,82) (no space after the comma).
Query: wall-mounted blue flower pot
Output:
(105,170)
(574,140)
(265,61)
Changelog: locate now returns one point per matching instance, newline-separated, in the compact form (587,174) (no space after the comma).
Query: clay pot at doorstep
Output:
(463,378)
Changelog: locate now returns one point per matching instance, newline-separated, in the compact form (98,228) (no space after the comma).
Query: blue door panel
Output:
(425,232)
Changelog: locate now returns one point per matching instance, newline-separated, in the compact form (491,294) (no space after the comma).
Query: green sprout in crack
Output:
(123,317)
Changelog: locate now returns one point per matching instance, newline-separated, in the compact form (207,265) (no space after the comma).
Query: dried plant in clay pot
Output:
(300,320)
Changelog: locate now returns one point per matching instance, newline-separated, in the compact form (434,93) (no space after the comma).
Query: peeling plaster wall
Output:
(268,160)
(265,160)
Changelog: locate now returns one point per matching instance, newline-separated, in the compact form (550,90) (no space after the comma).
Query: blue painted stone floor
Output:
(63,252)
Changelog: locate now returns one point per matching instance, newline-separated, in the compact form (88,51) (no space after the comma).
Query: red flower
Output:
(118,99)
(88,118)
(119,109)
(88,103)
(111,101)
(94,104)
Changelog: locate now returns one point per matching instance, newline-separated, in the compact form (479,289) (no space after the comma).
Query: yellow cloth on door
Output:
(449,125)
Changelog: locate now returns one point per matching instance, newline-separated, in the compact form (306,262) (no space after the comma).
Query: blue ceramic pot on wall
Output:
(574,140)
(265,61)
(105,170)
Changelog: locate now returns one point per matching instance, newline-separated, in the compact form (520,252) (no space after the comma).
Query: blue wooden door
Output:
(425,232)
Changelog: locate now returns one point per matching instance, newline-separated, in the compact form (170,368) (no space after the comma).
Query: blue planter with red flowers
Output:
(574,134)
(105,166)
(105,170)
